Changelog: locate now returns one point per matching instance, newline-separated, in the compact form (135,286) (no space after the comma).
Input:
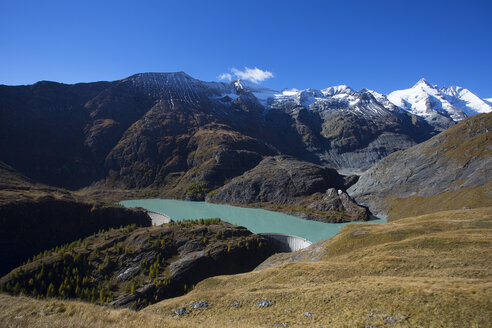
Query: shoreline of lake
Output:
(255,219)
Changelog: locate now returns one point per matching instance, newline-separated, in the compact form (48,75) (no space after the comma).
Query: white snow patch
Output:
(264,95)
(338,89)
(465,100)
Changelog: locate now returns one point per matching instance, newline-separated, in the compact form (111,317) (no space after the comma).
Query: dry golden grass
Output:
(427,271)
(470,139)
(470,197)
(26,312)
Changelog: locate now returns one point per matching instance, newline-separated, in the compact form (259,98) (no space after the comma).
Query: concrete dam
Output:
(158,218)
(284,243)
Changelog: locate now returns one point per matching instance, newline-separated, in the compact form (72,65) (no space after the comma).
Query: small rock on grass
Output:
(264,303)
(199,305)
(394,319)
(180,311)
(309,314)
(236,304)
(390,320)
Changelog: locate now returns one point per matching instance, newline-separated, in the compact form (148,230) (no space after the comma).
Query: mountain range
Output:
(180,137)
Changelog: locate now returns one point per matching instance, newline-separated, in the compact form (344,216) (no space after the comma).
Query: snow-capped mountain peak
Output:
(309,96)
(433,103)
(241,84)
(382,99)
(423,83)
(425,100)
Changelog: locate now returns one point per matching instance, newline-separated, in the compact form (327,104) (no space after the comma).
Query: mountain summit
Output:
(440,107)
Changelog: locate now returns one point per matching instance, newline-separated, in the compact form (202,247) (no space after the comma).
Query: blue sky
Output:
(381,45)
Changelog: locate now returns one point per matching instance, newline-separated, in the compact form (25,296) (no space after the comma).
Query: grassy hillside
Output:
(427,271)
(468,197)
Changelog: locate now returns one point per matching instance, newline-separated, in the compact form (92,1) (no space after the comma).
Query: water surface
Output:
(256,220)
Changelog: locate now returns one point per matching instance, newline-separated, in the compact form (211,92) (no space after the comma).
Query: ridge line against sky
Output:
(380,45)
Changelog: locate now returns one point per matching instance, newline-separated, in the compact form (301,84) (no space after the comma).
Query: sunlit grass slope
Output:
(427,271)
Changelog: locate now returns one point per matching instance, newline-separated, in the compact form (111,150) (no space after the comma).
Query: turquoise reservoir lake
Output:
(256,220)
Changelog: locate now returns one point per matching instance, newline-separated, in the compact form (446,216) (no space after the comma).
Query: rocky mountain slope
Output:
(300,188)
(344,129)
(449,171)
(384,275)
(137,267)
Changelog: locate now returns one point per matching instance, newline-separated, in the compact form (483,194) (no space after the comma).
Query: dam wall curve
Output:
(284,243)
(158,218)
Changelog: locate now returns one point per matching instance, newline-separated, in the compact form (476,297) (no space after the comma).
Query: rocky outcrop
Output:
(338,201)
(449,171)
(278,179)
(289,185)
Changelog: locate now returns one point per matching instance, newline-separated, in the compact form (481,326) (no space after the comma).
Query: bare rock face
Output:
(301,188)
